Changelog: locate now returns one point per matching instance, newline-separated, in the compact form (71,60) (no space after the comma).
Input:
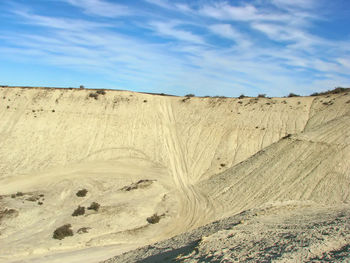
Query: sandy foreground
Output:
(252,179)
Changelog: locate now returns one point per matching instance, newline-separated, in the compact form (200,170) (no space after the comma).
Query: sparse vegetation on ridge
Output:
(290,95)
(336,90)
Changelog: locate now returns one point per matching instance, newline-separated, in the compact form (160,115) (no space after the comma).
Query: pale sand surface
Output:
(191,162)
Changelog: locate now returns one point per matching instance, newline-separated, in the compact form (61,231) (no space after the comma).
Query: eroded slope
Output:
(55,142)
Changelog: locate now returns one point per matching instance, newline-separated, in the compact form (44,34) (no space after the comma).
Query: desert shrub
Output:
(153,219)
(53,110)
(242,96)
(82,193)
(287,136)
(8,213)
(293,95)
(222,164)
(33,198)
(101,92)
(83,230)
(19,194)
(81,87)
(261,95)
(336,90)
(144,101)
(79,211)
(189,95)
(62,232)
(94,206)
(8,106)
(93,95)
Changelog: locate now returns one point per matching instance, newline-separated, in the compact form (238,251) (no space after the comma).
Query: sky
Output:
(202,47)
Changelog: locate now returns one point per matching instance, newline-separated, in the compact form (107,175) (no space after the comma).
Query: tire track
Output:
(195,208)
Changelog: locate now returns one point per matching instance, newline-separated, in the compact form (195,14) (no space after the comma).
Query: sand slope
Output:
(188,160)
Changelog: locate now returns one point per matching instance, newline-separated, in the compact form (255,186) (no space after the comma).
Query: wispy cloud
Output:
(101,8)
(169,29)
(202,47)
(227,31)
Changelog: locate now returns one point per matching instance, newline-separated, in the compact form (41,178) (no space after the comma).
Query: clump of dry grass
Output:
(79,211)
(82,193)
(62,232)
(94,206)
(154,219)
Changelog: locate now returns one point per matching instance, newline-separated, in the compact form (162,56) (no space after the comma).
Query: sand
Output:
(190,161)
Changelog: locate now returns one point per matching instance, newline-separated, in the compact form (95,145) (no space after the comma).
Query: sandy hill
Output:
(162,166)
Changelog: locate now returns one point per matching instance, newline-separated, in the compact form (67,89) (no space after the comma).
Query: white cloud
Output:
(173,49)
(101,8)
(161,3)
(225,11)
(168,29)
(302,4)
(227,31)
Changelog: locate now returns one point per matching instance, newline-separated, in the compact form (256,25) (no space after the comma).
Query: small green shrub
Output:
(62,232)
(261,95)
(79,211)
(242,96)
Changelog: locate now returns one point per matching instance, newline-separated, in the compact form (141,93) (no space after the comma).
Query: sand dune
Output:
(188,161)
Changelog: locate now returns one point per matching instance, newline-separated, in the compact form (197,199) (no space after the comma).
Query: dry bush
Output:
(83,230)
(79,211)
(101,92)
(153,219)
(94,206)
(82,193)
(293,95)
(93,95)
(62,232)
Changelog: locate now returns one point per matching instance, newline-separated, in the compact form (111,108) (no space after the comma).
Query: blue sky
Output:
(203,47)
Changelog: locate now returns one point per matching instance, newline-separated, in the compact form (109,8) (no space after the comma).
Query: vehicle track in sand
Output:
(195,208)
